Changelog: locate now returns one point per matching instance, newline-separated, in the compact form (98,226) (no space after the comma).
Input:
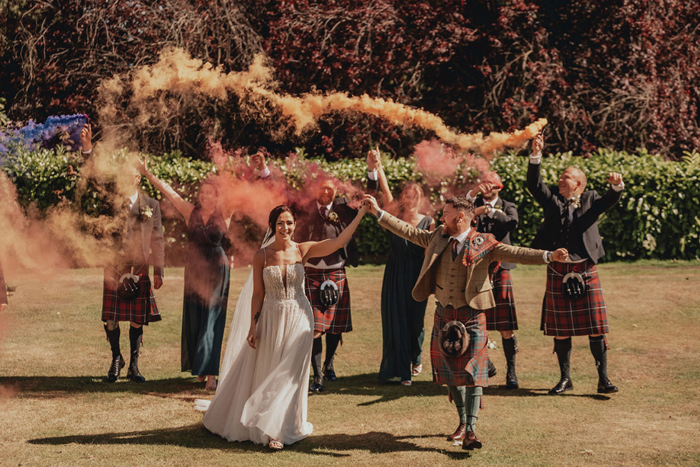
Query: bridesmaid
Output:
(402,316)
(207,270)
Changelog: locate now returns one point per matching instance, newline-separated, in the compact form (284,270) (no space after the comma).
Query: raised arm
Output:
(374,164)
(402,229)
(534,177)
(258,295)
(328,246)
(185,208)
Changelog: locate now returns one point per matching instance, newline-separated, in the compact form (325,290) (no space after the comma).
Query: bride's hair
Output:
(276,212)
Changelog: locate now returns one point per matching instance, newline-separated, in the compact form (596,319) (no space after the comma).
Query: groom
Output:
(456,270)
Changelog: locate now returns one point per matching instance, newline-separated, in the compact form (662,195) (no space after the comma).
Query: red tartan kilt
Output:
(336,319)
(141,310)
(580,317)
(502,317)
(471,369)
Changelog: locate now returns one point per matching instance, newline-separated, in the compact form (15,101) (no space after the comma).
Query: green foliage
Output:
(657,218)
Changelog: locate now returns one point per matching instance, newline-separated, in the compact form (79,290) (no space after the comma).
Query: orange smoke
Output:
(178,73)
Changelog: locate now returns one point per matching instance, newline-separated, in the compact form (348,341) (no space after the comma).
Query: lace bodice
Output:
(277,289)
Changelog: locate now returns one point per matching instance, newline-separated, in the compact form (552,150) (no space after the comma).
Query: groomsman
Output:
(499,217)
(326,282)
(573,303)
(456,271)
(127,293)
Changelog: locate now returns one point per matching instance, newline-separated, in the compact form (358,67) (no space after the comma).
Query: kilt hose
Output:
(470,369)
(578,317)
(337,318)
(502,317)
(141,310)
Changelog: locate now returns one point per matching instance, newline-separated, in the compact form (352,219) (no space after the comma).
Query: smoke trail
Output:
(178,73)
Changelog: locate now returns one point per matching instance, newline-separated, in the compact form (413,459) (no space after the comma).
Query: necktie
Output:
(324,212)
(454,248)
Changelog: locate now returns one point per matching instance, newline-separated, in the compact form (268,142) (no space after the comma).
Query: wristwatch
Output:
(488,208)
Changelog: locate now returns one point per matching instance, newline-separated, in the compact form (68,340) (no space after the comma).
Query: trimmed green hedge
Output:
(658,216)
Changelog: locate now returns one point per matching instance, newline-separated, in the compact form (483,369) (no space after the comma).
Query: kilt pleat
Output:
(141,310)
(578,317)
(337,318)
(470,369)
(502,317)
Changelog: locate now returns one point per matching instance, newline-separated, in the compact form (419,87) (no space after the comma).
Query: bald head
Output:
(572,182)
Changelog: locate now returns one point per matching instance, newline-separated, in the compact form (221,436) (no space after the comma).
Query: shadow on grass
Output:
(46,387)
(369,385)
(523,392)
(198,437)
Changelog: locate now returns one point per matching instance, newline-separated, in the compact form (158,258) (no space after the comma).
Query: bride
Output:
(263,388)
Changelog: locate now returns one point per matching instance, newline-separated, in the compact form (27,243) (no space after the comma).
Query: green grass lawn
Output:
(57,409)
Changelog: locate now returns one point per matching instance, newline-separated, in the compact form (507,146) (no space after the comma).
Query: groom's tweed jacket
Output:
(473,281)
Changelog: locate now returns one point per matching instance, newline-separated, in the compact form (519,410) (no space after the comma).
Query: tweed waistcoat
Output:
(450,280)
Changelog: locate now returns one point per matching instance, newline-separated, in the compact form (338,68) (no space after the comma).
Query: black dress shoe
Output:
(459,433)
(512,383)
(317,385)
(562,386)
(471,442)
(134,374)
(492,370)
(115,368)
(329,374)
(606,387)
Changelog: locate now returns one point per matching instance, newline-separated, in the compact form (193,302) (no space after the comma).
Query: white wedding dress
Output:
(263,393)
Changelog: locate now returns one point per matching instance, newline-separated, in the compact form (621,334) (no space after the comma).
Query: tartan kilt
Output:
(502,317)
(471,369)
(141,310)
(336,319)
(579,317)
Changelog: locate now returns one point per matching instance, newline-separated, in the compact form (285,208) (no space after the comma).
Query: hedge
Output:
(657,218)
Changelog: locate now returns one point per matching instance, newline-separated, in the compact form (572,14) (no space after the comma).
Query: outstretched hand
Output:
(538,144)
(371,204)
(86,137)
(560,255)
(614,178)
